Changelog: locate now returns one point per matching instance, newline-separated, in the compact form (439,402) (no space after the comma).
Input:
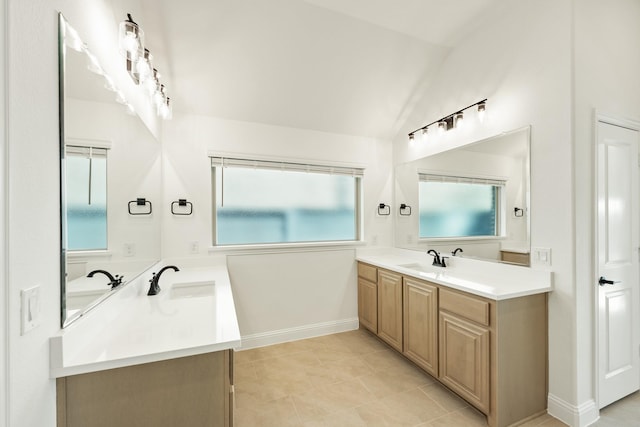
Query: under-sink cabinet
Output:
(492,353)
(420,324)
(368,297)
(188,391)
(390,308)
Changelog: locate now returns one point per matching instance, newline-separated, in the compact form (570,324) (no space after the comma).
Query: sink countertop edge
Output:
(90,354)
(537,281)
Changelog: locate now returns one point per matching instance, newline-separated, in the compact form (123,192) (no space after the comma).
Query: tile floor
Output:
(344,380)
(623,413)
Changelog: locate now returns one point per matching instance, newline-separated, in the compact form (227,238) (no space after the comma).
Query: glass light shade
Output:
(442,126)
(131,39)
(153,82)
(425,134)
(159,97)
(412,137)
(143,66)
(165,110)
(482,107)
(459,120)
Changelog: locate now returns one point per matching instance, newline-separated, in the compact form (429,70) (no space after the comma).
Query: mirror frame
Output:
(437,243)
(149,262)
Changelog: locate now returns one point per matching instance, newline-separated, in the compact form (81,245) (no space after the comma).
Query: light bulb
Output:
(482,107)
(143,65)
(131,39)
(425,134)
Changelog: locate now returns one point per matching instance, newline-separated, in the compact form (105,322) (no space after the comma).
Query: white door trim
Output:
(4,253)
(599,117)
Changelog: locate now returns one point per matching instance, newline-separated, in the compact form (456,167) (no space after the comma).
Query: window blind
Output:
(426,177)
(88,152)
(217,162)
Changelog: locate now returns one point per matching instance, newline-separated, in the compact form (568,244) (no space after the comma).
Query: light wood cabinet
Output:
(390,308)
(464,359)
(368,297)
(493,353)
(515,257)
(195,391)
(420,324)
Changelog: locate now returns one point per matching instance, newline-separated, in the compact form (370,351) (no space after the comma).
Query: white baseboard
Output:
(574,416)
(298,333)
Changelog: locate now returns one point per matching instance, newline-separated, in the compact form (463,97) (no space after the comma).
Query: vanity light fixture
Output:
(140,67)
(453,120)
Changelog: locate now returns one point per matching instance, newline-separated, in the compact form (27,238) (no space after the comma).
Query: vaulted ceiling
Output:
(343,66)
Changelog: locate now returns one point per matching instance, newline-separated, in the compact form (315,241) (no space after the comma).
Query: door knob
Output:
(604,281)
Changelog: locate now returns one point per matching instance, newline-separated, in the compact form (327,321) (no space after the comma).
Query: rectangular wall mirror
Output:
(108,160)
(474,197)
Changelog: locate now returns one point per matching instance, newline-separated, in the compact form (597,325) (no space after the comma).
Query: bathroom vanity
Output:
(161,360)
(481,330)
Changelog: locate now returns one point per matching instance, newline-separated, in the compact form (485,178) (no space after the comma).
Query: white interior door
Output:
(618,253)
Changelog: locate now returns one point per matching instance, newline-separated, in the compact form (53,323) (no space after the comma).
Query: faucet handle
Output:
(442,261)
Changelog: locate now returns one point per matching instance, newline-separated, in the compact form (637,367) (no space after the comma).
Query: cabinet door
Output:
(464,359)
(421,324)
(390,308)
(368,304)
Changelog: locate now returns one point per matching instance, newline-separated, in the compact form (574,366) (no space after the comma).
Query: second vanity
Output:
(479,328)
(161,360)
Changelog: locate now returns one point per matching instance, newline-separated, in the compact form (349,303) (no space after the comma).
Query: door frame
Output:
(599,117)
(4,197)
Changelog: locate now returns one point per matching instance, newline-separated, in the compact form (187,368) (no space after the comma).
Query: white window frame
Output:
(218,160)
(80,147)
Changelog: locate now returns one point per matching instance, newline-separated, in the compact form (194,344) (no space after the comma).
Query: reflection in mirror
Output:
(474,197)
(108,158)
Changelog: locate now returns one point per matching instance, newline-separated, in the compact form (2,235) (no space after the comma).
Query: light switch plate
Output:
(541,256)
(29,309)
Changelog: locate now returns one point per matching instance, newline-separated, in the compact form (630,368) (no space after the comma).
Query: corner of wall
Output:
(4,320)
(575,416)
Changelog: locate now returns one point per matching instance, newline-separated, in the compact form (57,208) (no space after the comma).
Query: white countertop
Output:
(491,280)
(147,329)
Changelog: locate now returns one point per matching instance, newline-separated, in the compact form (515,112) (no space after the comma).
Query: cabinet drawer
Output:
(368,272)
(465,306)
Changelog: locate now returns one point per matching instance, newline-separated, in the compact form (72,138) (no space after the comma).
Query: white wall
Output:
(607,66)
(521,62)
(187,141)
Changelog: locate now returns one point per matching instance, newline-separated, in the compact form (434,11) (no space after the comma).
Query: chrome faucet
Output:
(437,259)
(155,288)
(114,282)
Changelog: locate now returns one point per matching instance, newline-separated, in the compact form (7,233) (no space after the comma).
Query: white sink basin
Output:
(424,267)
(192,289)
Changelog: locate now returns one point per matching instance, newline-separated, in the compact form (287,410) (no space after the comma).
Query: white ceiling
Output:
(342,66)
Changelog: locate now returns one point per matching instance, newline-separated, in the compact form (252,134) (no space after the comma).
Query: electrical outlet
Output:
(129,249)
(194,247)
(30,308)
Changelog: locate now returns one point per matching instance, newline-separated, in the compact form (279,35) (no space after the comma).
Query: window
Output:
(459,207)
(262,202)
(86,198)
